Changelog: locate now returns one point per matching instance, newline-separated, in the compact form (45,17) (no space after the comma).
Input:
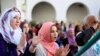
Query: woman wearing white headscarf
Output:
(10,33)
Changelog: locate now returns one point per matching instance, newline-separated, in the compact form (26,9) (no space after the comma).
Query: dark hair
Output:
(77,29)
(22,24)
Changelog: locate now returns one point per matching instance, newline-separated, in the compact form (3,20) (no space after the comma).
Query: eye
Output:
(52,31)
(56,31)
(15,17)
(19,18)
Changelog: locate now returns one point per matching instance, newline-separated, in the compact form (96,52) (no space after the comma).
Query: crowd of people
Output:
(17,38)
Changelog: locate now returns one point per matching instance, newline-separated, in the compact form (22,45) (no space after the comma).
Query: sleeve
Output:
(3,49)
(27,52)
(79,39)
(84,36)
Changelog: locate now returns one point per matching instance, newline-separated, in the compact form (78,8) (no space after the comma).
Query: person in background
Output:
(36,28)
(28,31)
(63,26)
(78,29)
(72,41)
(61,38)
(91,24)
(90,27)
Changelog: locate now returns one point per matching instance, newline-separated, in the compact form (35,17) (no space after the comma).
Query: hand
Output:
(65,50)
(62,51)
(19,52)
(35,41)
(22,41)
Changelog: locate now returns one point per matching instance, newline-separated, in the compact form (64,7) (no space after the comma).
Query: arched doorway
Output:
(76,12)
(43,11)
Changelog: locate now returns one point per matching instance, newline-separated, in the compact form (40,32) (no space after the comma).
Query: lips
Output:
(54,37)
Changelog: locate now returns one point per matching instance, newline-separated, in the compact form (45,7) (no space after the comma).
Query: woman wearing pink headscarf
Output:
(47,46)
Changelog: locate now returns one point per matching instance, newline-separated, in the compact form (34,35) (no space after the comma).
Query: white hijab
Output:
(9,34)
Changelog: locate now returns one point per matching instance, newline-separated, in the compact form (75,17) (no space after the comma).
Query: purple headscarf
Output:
(71,39)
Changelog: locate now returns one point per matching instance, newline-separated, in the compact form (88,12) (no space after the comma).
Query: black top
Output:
(27,52)
(7,49)
(84,36)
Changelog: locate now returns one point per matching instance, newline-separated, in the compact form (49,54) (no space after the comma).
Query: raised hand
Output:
(23,39)
(62,51)
(22,42)
(35,41)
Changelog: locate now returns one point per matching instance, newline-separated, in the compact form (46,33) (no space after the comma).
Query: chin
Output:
(54,40)
(15,27)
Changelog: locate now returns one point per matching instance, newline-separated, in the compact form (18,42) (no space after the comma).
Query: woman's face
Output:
(15,22)
(26,27)
(71,33)
(53,33)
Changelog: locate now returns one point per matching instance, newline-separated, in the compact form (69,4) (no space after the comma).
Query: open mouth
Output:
(16,24)
(55,37)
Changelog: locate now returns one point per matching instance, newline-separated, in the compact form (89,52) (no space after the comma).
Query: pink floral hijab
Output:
(44,32)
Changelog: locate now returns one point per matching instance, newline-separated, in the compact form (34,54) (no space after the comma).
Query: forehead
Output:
(91,18)
(15,15)
(53,27)
(26,24)
(18,14)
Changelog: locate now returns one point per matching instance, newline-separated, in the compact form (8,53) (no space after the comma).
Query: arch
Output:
(76,12)
(43,11)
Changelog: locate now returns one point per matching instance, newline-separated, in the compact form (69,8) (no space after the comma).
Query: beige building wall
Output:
(76,13)
(5,4)
(59,10)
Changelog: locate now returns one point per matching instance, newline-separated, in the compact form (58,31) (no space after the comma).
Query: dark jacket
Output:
(27,52)
(84,36)
(7,49)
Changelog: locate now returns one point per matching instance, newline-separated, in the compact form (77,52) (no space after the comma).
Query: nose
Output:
(55,33)
(18,20)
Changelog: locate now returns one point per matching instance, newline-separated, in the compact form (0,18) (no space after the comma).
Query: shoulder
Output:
(40,51)
(39,47)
